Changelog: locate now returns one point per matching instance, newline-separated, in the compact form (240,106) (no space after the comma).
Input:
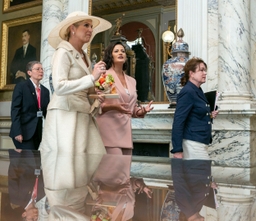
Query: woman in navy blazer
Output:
(26,128)
(191,133)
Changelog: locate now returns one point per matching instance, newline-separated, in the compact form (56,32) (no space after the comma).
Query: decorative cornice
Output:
(105,7)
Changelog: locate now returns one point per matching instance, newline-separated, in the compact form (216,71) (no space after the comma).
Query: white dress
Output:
(71,146)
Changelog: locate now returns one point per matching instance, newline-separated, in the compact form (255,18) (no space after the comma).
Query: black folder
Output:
(211,97)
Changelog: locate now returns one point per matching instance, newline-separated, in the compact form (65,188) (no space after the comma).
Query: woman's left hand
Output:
(148,108)
(215,113)
(144,110)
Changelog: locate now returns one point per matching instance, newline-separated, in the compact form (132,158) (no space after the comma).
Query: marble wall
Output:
(223,32)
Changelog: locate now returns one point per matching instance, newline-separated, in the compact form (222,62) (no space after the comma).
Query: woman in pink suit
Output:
(115,121)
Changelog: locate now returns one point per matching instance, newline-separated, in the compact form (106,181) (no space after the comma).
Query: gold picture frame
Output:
(12,40)
(14,5)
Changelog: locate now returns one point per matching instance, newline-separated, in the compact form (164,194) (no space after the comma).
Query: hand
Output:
(144,110)
(214,114)
(178,155)
(31,213)
(101,97)
(148,108)
(18,150)
(148,192)
(99,68)
(140,185)
(19,138)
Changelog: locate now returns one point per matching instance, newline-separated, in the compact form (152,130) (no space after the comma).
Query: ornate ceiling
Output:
(100,7)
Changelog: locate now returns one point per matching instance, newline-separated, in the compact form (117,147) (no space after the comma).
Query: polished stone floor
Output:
(111,188)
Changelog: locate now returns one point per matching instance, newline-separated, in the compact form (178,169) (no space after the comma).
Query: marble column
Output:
(253,47)
(192,18)
(235,204)
(234,50)
(54,11)
(213,40)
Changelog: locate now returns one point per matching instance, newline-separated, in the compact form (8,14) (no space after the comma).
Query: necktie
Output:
(38,93)
(24,51)
(34,193)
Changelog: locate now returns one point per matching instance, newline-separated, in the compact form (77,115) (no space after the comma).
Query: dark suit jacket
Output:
(24,109)
(21,177)
(19,62)
(192,119)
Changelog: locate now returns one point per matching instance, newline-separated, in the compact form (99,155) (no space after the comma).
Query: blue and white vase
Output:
(172,70)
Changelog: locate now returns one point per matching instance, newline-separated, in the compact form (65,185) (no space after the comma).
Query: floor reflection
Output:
(112,193)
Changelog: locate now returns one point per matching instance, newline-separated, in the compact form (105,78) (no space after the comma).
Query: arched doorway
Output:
(130,31)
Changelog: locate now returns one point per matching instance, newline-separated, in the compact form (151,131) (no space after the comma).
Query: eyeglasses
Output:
(38,69)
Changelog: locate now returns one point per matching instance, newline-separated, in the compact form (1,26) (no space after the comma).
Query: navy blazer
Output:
(192,118)
(24,109)
(21,176)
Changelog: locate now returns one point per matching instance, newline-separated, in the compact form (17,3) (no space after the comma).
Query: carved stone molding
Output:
(5,122)
(111,6)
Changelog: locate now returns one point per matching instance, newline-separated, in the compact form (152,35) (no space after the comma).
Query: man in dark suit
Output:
(22,56)
(27,112)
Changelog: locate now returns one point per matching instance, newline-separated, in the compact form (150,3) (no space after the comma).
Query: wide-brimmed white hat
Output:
(59,32)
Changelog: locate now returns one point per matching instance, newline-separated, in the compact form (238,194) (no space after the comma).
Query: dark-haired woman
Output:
(115,121)
(191,134)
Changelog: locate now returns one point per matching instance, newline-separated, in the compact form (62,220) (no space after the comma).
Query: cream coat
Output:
(71,147)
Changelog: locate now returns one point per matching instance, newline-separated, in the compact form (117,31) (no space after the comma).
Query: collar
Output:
(67,46)
(194,86)
(25,46)
(35,84)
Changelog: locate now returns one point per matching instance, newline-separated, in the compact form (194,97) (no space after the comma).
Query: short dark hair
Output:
(108,58)
(31,64)
(26,30)
(191,65)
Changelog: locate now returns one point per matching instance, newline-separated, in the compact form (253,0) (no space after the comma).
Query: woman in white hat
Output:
(71,146)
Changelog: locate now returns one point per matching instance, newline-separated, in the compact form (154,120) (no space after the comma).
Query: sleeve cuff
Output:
(92,77)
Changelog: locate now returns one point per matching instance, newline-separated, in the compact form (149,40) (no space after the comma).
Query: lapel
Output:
(79,60)
(43,96)
(76,55)
(32,91)
(199,91)
(120,88)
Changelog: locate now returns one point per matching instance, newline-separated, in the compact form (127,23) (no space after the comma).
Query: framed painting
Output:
(14,5)
(21,41)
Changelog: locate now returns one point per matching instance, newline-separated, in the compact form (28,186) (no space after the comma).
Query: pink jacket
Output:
(115,128)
